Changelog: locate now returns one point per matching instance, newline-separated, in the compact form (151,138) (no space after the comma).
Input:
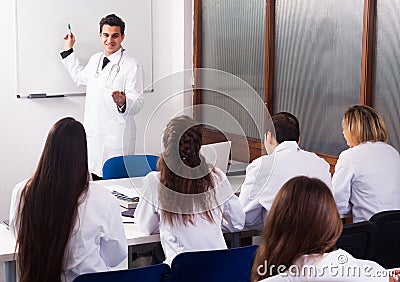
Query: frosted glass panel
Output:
(233,34)
(318,45)
(386,98)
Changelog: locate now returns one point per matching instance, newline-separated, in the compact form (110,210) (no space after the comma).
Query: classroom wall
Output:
(24,123)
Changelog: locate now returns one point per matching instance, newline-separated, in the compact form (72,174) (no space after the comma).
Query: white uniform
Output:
(109,132)
(201,236)
(98,240)
(266,175)
(367,180)
(334,266)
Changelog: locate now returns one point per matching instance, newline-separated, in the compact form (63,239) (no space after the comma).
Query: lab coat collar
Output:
(287,145)
(114,57)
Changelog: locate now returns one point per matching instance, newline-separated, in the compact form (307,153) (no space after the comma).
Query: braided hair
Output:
(184,170)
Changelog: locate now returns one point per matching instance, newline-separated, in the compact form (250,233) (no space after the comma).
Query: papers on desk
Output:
(127,197)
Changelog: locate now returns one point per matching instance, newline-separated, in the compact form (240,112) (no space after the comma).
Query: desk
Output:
(136,239)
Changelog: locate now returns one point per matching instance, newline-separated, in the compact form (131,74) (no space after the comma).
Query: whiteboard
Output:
(42,24)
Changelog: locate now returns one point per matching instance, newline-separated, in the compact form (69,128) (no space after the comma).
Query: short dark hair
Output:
(287,127)
(112,20)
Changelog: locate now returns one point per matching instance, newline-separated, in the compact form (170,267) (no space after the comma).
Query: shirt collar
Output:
(287,145)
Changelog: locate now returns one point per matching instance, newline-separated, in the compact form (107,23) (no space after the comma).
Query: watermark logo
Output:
(340,269)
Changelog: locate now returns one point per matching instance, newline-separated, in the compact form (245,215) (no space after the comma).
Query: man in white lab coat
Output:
(285,160)
(114,94)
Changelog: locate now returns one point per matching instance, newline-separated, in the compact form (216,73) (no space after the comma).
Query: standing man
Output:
(285,160)
(114,94)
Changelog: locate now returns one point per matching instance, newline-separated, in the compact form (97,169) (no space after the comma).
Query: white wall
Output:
(24,123)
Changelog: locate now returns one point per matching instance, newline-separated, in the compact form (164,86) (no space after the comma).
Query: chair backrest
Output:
(218,265)
(359,239)
(387,251)
(153,273)
(129,166)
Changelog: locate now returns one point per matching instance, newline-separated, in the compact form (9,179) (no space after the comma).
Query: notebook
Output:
(217,154)
(127,197)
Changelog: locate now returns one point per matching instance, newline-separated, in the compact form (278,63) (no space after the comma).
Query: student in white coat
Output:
(114,89)
(367,175)
(298,241)
(266,175)
(64,225)
(187,201)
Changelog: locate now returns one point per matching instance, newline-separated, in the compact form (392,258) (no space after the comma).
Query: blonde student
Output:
(187,201)
(298,241)
(64,225)
(366,179)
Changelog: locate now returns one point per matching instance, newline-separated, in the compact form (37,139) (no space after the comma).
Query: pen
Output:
(69,29)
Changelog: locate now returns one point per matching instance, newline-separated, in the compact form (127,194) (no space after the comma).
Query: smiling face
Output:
(111,39)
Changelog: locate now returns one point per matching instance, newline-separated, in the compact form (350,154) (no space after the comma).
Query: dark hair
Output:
(112,20)
(182,141)
(303,220)
(48,207)
(286,127)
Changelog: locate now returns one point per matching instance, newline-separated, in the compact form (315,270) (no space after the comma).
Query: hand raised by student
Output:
(69,41)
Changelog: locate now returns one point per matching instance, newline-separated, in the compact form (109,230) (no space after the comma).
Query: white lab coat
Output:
(266,175)
(334,266)
(367,180)
(201,236)
(109,132)
(98,240)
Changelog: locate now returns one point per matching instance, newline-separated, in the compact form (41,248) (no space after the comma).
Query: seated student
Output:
(64,225)
(298,242)
(187,201)
(367,175)
(266,175)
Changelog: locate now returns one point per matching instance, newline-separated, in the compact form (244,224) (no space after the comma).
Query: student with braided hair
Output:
(187,201)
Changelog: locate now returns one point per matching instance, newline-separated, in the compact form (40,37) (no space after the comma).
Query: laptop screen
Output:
(217,154)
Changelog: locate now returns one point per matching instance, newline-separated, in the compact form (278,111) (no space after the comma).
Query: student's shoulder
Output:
(313,156)
(19,186)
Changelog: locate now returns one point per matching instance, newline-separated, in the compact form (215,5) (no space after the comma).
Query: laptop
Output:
(217,154)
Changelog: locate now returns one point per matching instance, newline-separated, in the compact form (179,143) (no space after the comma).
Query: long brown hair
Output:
(182,141)
(49,202)
(303,220)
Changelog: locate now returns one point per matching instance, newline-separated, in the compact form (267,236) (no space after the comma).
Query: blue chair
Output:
(218,265)
(388,246)
(129,166)
(359,239)
(153,273)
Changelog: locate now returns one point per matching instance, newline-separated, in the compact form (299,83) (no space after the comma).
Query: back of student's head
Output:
(303,220)
(183,170)
(286,127)
(364,124)
(48,207)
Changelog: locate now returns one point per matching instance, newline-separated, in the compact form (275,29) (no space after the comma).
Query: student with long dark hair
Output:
(298,242)
(64,225)
(187,201)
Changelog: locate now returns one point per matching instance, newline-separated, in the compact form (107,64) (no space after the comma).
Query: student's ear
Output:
(123,37)
(298,141)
